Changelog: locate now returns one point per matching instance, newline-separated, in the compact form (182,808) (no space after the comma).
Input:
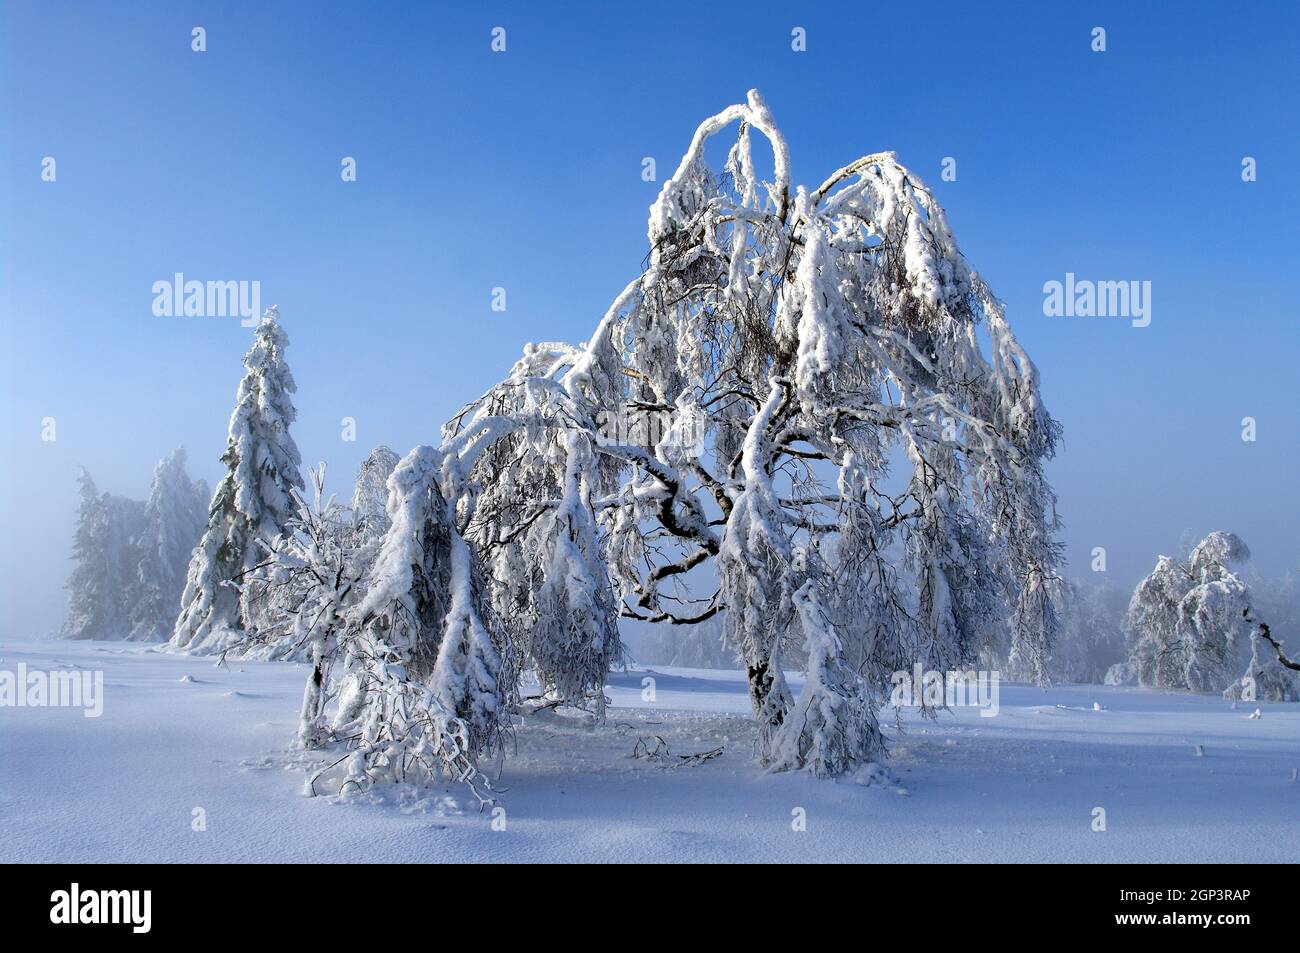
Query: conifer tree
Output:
(252,501)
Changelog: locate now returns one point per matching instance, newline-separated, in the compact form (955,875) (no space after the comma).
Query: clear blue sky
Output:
(523,170)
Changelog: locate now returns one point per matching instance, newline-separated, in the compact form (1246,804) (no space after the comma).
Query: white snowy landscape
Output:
(748,532)
(178,734)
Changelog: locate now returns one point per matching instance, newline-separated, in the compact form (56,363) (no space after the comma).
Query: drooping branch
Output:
(1262,630)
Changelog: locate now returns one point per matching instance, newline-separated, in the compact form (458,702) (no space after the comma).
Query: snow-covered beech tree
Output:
(795,344)
(370,495)
(1276,600)
(175,514)
(1267,676)
(846,462)
(253,500)
(103,587)
(1186,619)
(1212,615)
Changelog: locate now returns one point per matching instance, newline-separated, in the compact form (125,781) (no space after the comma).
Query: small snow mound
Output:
(437,805)
(878,775)
(1096,706)
(187,678)
(407,798)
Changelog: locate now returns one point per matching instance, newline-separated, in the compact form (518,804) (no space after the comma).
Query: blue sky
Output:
(523,170)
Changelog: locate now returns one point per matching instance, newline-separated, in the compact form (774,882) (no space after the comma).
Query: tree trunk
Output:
(309,727)
(769,697)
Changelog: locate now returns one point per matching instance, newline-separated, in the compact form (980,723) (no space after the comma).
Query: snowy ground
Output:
(1021,786)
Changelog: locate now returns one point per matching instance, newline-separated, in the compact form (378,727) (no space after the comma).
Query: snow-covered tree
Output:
(1212,614)
(92,609)
(422,686)
(325,553)
(1267,677)
(1186,619)
(103,587)
(804,340)
(174,519)
(370,495)
(831,729)
(1092,639)
(795,347)
(253,500)
(574,630)
(1270,675)
(312,574)
(1276,600)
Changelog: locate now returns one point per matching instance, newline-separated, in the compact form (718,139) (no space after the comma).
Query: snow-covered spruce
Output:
(175,514)
(130,556)
(253,500)
(104,586)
